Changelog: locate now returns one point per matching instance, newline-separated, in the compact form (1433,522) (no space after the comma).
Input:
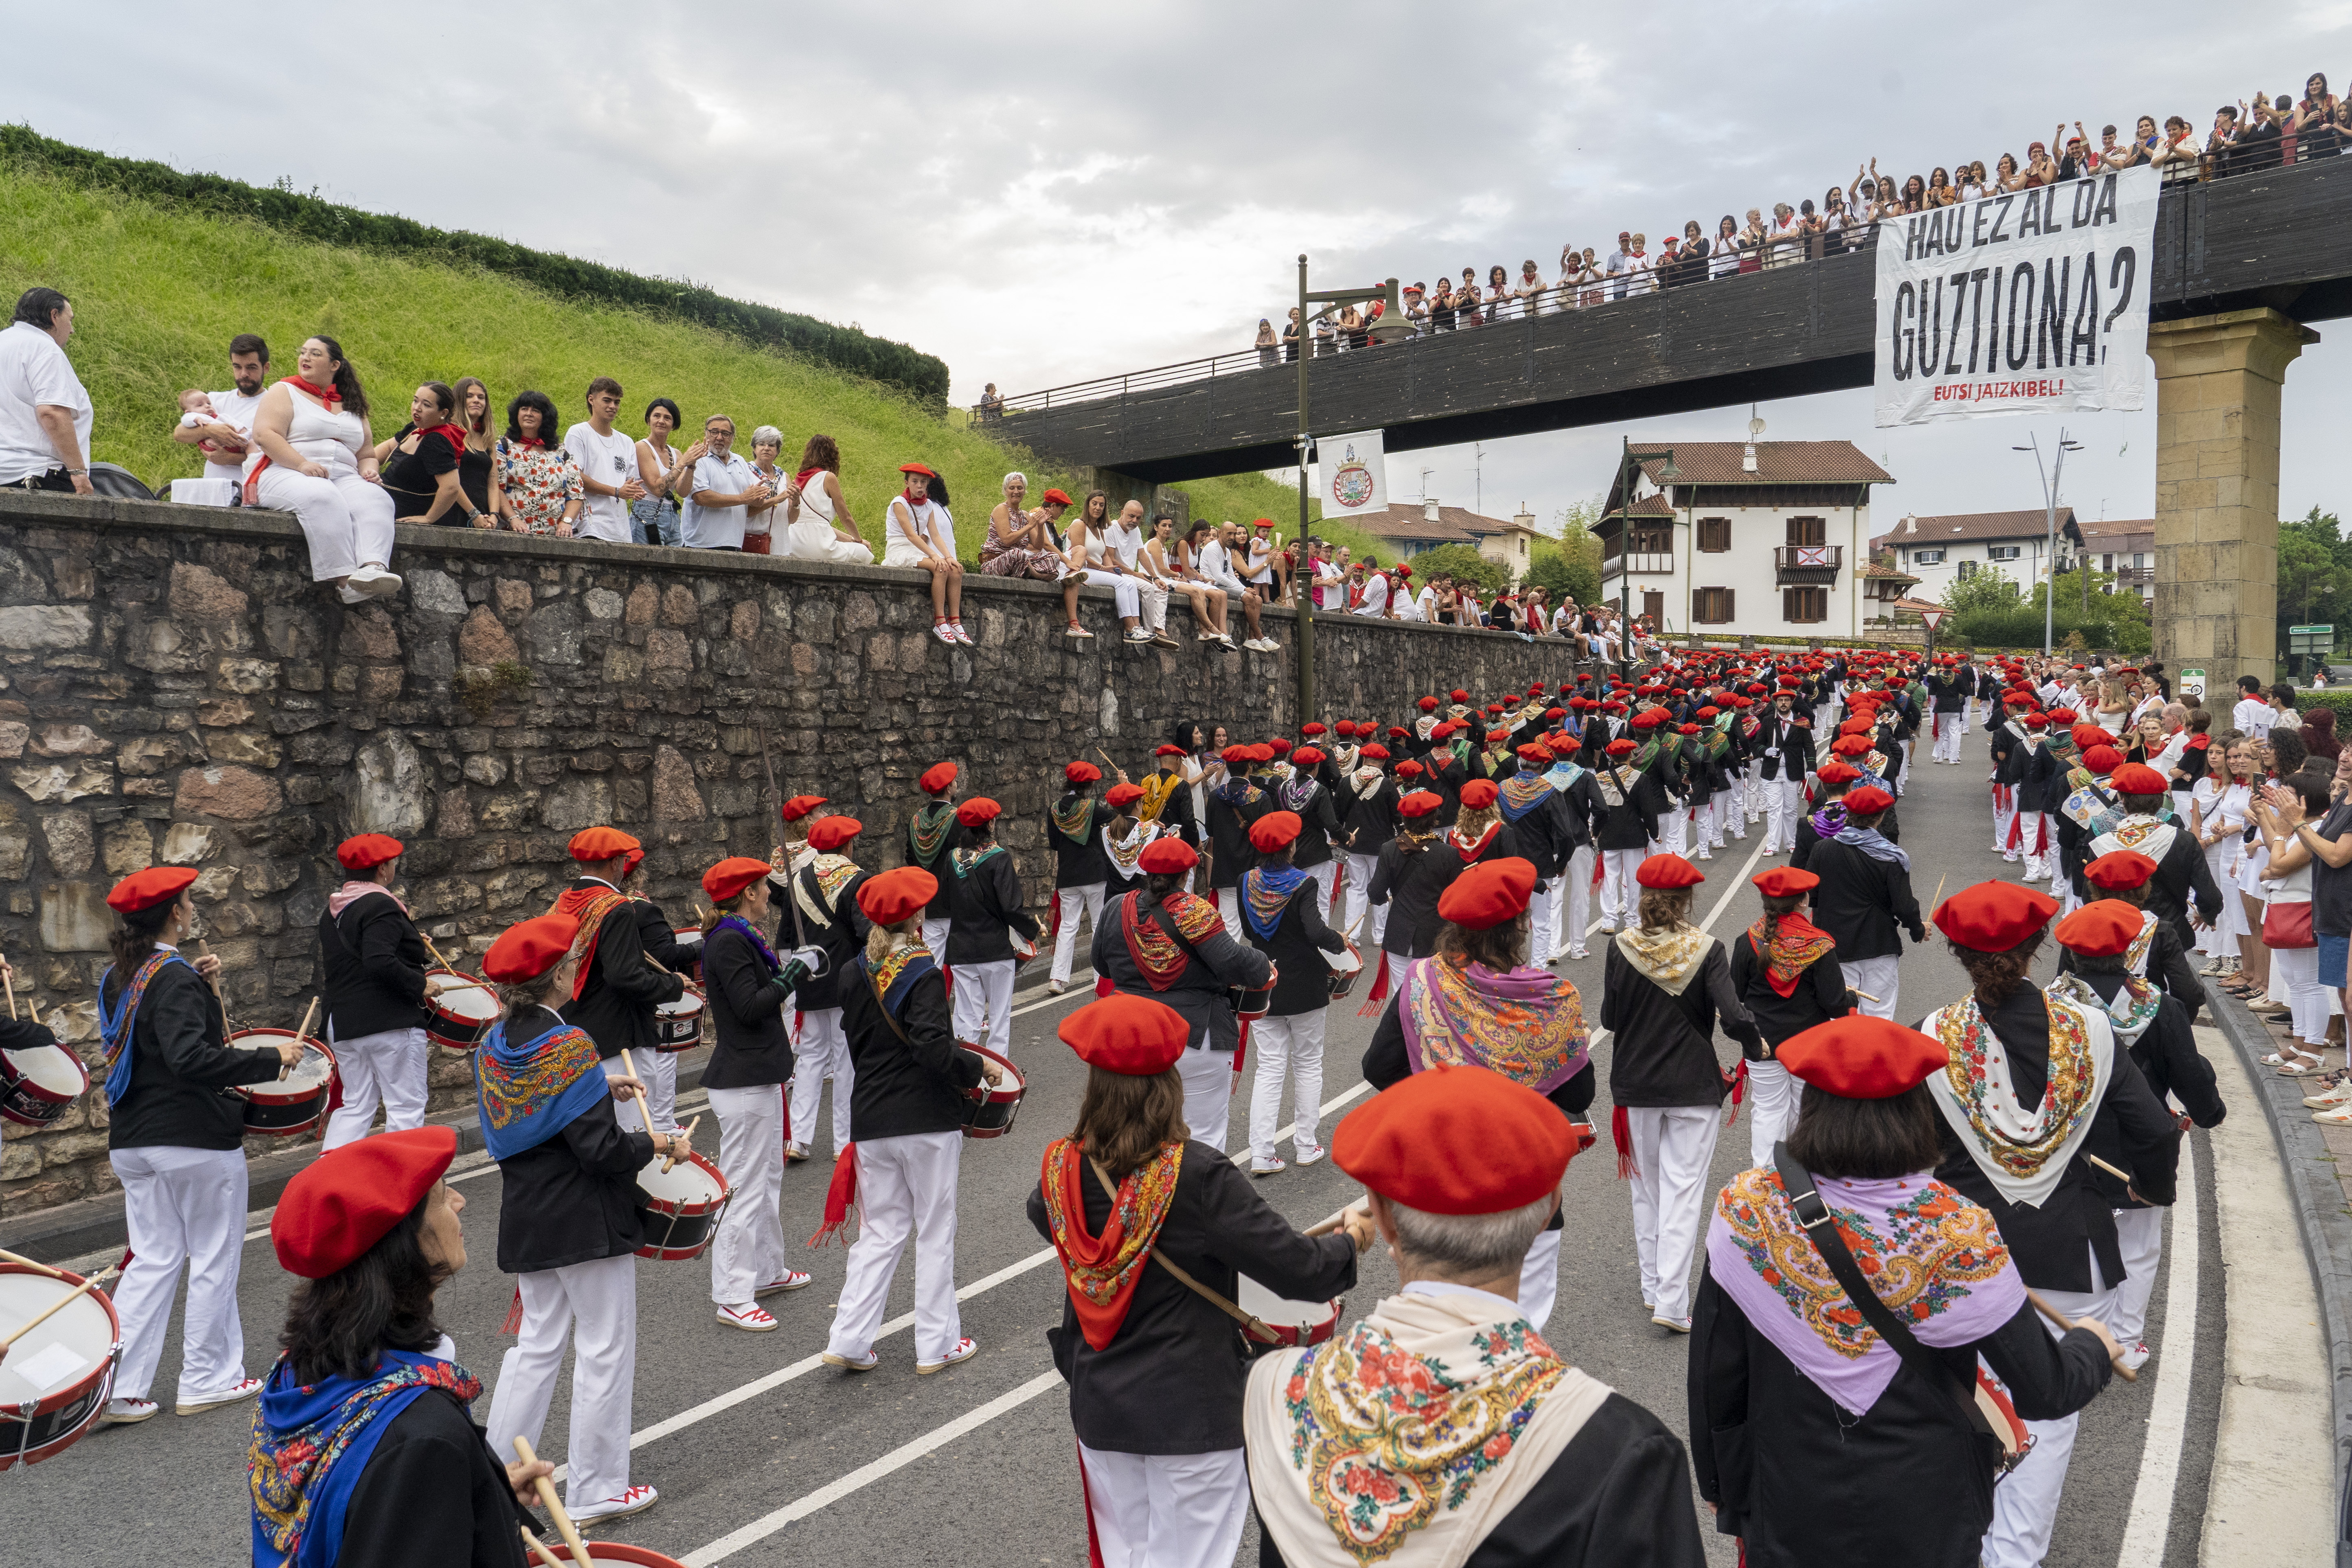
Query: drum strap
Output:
(1251,1324)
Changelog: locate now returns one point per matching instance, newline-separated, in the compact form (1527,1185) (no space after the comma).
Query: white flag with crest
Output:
(1352,473)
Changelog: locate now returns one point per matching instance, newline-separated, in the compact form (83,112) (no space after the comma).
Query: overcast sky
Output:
(1043,193)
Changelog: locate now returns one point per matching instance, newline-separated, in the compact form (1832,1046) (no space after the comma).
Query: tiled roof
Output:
(1650,506)
(1975,528)
(1454,524)
(1776,463)
(1873,568)
(2127,533)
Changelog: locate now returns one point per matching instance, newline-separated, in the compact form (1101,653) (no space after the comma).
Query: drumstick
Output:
(204,949)
(1864,995)
(538,1547)
(53,1309)
(553,1504)
(687,1134)
(1326,1226)
(645,1105)
(1939,892)
(2064,1321)
(7,1257)
(8,979)
(303,1034)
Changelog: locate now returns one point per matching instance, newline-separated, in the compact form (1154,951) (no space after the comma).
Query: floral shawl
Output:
(311,1442)
(1099,1272)
(1668,959)
(2023,1153)
(1528,1024)
(1794,947)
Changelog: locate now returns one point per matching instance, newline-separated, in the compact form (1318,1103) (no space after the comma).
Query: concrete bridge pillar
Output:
(1121,489)
(2218,381)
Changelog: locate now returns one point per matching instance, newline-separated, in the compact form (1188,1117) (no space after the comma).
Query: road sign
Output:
(1933,617)
(2193,683)
(2311,631)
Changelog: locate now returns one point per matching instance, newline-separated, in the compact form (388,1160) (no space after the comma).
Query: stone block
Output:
(188,844)
(436,592)
(484,641)
(75,919)
(12,737)
(645,605)
(69,740)
(245,747)
(513,596)
(45,626)
(678,608)
(602,604)
(580,801)
(15,849)
(668,652)
(200,594)
(127,846)
(675,797)
(389,794)
(231,794)
(72,849)
(59,783)
(248,675)
(368,633)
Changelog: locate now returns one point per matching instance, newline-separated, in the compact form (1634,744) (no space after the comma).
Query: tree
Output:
(2315,573)
(1985,590)
(1569,564)
(1463,563)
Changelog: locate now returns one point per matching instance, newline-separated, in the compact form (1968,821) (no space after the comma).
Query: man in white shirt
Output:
(248,372)
(1375,601)
(1330,583)
(45,415)
(1407,602)
(2254,715)
(1126,538)
(724,483)
(607,461)
(1615,265)
(1214,561)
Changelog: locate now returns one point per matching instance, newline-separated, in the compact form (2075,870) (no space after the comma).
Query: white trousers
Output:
(1135,599)
(821,1053)
(386,1068)
(1229,910)
(1543,915)
(906,1185)
(1948,738)
(1671,1147)
(982,1003)
(1772,1098)
(1208,1079)
(1070,900)
(1540,1279)
(1674,831)
(1784,807)
(182,1205)
(1167,1510)
(657,1070)
(347,521)
(2032,826)
(1327,877)
(1289,1048)
(2141,1234)
(2025,1504)
(1878,976)
(1621,897)
(1358,897)
(1574,912)
(749,1251)
(935,936)
(2004,813)
(2306,996)
(594,1307)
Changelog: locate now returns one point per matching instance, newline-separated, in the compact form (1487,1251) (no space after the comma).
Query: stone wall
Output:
(174,689)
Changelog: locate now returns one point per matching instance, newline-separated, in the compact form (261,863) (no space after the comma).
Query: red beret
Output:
(1420,802)
(1056,498)
(1785,882)
(1850,746)
(1534,752)
(1456,1141)
(593,844)
(2037,720)
(1649,719)
(1167,751)
(1409,769)
(1121,794)
(1620,747)
(2120,869)
(1668,872)
(1169,856)
(1312,728)
(1345,727)
(937,778)
(889,896)
(1375,753)
(1274,831)
(1260,753)
(1867,800)
(1278,745)
(1441,730)
(800,805)
(631,861)
(1489,893)
(2101,759)
(1427,704)
(978,810)
(1306,757)
(145,890)
(2063,715)
(348,1199)
(916,469)
(1132,1036)
(1836,773)
(2133,778)
(2100,930)
(732,875)
(529,949)
(1081,772)
(1993,917)
(830,833)
(2089,735)
(367,849)
(1480,794)
(1459,695)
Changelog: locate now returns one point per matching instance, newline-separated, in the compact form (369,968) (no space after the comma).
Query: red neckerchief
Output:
(1471,851)
(801,482)
(528,441)
(452,434)
(326,394)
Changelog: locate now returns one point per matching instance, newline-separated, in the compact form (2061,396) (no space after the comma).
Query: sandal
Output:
(2306,1065)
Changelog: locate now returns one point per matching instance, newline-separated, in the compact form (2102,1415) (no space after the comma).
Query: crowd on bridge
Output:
(1999,1170)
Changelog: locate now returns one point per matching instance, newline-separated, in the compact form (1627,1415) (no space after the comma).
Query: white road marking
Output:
(865,1474)
(2149,1526)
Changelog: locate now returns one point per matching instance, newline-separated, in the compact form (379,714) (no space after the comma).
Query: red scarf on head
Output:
(326,394)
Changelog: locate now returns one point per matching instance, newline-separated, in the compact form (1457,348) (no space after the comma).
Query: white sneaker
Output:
(354,596)
(1055,987)
(939,630)
(965,1349)
(1679,1325)
(374,581)
(1077,632)
(129,1412)
(2135,1355)
(793,1279)
(873,1359)
(1272,1168)
(1312,1155)
(2335,1115)
(244,1391)
(753,1319)
(637,1500)
(795,1153)
(1139,636)
(2334,1094)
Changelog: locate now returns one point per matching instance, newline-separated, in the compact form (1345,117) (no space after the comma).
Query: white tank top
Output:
(814,501)
(331,439)
(929,517)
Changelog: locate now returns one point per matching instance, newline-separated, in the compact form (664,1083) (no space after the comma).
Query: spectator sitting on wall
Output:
(420,463)
(45,415)
(225,434)
(480,460)
(535,485)
(817,523)
(315,459)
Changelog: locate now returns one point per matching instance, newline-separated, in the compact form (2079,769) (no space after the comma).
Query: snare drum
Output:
(58,1377)
(1295,1323)
(458,1018)
(678,1025)
(1345,967)
(293,1104)
(1023,948)
(989,1111)
(613,1551)
(678,1210)
(39,1084)
(1251,1002)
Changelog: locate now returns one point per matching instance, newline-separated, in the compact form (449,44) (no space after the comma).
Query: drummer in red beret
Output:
(797,813)
(374,1231)
(1081,867)
(1168,789)
(376,987)
(1413,869)
(1776,1331)
(1785,969)
(1633,805)
(1228,809)
(1463,1169)
(2157,955)
(1282,917)
(1664,985)
(1366,798)
(985,921)
(1864,902)
(2036,1079)
(1479,1000)
(175,1141)
(933,834)
(1308,792)
(913,1082)
(1155,1387)
(619,984)
(2183,877)
(567,1217)
(822,911)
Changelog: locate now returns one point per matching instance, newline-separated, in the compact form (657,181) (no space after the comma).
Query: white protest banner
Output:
(2027,302)
(1351,473)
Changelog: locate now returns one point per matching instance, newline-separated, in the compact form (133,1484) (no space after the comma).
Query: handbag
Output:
(2286,918)
(1986,1409)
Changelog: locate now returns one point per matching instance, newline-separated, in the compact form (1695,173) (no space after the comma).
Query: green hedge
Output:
(920,375)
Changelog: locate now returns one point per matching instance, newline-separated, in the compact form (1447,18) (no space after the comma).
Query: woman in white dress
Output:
(919,532)
(2222,798)
(817,524)
(313,456)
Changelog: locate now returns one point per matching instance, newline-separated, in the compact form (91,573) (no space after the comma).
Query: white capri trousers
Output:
(386,1068)
(346,520)
(749,1251)
(182,1205)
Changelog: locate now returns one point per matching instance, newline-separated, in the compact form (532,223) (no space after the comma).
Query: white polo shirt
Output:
(34,371)
(609,460)
(716,526)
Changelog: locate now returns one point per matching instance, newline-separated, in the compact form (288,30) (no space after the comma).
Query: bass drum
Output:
(990,1110)
(40,1085)
(456,1017)
(1345,967)
(678,1210)
(58,1377)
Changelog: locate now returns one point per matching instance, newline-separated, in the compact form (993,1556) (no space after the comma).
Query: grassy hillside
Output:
(160,288)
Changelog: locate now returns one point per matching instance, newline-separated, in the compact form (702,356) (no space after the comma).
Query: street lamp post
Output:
(2050,478)
(1392,326)
(1628,460)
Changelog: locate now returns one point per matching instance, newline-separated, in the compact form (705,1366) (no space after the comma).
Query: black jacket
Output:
(572,1198)
(1794,743)
(1820,994)
(1864,902)
(2167,965)
(2167,1057)
(180,1070)
(1543,835)
(618,995)
(951,838)
(1228,830)
(1366,822)
(432,1492)
(1301,938)
(987,901)
(1415,880)
(747,1010)
(1172,1379)
(906,1084)
(1215,963)
(1079,862)
(1630,822)
(1661,1048)
(373,960)
(1177,815)
(660,939)
(1318,821)
(842,934)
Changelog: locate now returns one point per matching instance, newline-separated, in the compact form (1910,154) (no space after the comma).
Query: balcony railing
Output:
(1644,563)
(1801,565)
